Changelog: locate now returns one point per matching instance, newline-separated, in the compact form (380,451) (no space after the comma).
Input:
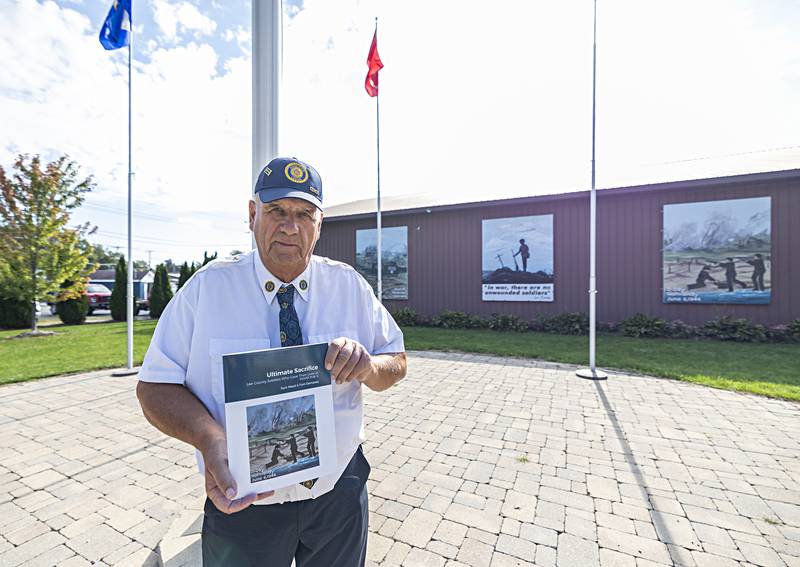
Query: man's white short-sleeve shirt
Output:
(230,306)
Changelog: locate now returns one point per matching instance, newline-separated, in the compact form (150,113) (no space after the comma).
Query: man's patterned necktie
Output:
(291,334)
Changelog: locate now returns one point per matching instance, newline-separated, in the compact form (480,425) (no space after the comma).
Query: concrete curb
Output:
(180,546)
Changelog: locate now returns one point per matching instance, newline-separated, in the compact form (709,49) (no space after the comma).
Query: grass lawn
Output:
(76,348)
(767,369)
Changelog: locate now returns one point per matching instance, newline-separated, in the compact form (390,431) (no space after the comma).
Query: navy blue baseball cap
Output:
(289,177)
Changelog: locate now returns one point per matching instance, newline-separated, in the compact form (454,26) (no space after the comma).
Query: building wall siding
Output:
(444,261)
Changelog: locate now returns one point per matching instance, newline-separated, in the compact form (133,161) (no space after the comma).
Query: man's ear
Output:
(251,211)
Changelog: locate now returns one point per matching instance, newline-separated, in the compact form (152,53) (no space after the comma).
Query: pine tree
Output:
(207,258)
(185,274)
(157,296)
(165,285)
(119,295)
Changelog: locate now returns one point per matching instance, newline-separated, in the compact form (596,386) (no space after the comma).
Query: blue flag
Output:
(115,30)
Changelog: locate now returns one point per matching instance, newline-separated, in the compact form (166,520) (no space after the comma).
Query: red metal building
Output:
(444,249)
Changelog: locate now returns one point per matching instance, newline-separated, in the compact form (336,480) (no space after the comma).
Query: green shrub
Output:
(405,317)
(119,295)
(15,314)
(640,325)
(73,311)
(507,323)
(794,329)
(779,334)
(161,292)
(727,328)
(607,327)
(452,320)
(477,322)
(538,324)
(568,324)
(679,330)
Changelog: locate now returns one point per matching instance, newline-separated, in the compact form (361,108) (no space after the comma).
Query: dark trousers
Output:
(758,281)
(327,531)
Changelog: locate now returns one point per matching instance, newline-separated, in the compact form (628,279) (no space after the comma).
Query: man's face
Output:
(286,232)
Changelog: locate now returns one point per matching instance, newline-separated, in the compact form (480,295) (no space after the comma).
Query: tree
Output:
(157,302)
(140,266)
(185,274)
(102,256)
(161,294)
(166,286)
(207,258)
(119,295)
(38,248)
(236,252)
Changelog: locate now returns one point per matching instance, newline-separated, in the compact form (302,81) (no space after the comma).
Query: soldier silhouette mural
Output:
(524,253)
(759,269)
(713,250)
(529,241)
(730,274)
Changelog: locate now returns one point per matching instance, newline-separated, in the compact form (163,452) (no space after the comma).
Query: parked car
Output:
(99,297)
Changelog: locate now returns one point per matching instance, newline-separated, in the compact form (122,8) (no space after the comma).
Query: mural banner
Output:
(394,259)
(517,260)
(718,252)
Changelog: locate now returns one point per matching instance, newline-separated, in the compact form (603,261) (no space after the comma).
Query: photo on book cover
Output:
(279,420)
(282,437)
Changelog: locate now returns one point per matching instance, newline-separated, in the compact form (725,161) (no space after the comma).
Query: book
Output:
(278,417)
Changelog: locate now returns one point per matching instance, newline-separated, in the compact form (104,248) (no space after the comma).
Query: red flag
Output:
(375,65)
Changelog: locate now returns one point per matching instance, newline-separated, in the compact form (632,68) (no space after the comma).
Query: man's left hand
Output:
(348,360)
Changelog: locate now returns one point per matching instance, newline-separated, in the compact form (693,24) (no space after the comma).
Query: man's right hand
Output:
(176,411)
(220,485)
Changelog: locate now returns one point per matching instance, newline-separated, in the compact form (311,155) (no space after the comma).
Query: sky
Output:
(394,239)
(475,103)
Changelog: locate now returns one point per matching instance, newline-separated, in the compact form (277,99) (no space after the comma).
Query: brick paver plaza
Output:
(476,460)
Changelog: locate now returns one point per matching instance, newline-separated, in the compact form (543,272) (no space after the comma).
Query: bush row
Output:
(724,328)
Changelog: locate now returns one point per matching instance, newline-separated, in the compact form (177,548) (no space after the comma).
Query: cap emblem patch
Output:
(296,172)
(267,171)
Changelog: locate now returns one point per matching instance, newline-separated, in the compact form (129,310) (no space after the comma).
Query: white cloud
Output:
(479,103)
(475,103)
(241,35)
(191,126)
(173,18)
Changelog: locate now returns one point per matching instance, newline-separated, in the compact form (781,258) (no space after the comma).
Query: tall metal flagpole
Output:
(592,373)
(266,72)
(129,368)
(378,135)
(130,201)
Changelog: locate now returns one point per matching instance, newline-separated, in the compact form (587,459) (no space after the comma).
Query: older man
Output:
(278,295)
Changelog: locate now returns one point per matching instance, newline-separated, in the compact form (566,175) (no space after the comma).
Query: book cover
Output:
(278,417)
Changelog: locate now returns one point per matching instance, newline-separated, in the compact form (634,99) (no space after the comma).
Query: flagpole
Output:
(130,201)
(129,308)
(592,373)
(378,136)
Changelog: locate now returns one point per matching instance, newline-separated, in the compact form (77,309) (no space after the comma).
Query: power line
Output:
(726,155)
(151,240)
(116,211)
(148,216)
